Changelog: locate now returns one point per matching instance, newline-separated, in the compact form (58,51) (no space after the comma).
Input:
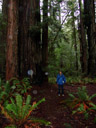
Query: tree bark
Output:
(74,39)
(29,36)
(91,31)
(83,43)
(3,36)
(45,39)
(12,40)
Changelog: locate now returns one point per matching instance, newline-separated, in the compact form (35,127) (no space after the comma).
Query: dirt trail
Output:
(59,115)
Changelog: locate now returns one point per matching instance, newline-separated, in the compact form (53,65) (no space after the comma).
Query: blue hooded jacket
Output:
(61,79)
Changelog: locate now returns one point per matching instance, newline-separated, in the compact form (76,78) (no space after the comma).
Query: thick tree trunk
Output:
(83,43)
(91,31)
(29,36)
(24,17)
(45,39)
(12,40)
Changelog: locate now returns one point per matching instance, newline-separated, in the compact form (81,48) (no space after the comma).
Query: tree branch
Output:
(61,27)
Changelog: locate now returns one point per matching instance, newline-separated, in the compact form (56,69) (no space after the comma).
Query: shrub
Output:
(81,102)
(18,112)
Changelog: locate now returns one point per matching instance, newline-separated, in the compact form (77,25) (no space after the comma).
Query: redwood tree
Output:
(29,36)
(83,42)
(89,12)
(45,39)
(12,40)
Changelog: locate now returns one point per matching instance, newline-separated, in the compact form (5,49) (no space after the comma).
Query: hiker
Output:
(60,82)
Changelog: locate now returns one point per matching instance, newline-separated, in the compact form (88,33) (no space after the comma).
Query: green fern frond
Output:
(91,97)
(6,113)
(28,100)
(33,107)
(72,96)
(41,121)
(12,108)
(11,111)
(7,87)
(11,126)
(19,103)
(39,102)
(26,107)
(18,112)
(25,110)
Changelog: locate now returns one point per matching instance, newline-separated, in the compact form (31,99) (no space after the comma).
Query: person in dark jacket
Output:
(60,82)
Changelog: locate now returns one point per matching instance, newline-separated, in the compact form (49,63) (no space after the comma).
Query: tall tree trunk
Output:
(5,20)
(90,26)
(24,17)
(75,40)
(45,39)
(3,35)
(83,43)
(75,46)
(29,36)
(12,40)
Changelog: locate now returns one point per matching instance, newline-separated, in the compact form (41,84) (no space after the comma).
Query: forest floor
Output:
(59,114)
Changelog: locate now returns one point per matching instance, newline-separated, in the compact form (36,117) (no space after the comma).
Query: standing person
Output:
(60,81)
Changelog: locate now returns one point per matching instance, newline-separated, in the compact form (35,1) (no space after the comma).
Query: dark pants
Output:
(60,88)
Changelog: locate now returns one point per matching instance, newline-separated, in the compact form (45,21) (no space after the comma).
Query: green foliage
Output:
(25,85)
(7,90)
(4,91)
(81,102)
(93,106)
(62,54)
(52,80)
(82,95)
(18,112)
(67,125)
(74,79)
(81,110)
(12,126)
(22,86)
(41,121)
(11,88)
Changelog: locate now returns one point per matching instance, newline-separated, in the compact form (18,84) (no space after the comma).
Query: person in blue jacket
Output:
(60,82)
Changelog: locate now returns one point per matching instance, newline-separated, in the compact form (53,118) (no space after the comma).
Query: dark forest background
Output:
(47,36)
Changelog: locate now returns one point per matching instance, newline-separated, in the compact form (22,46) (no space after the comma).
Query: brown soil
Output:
(58,114)
(61,115)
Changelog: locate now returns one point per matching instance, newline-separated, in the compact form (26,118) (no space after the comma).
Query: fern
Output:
(12,126)
(33,107)
(7,87)
(82,93)
(13,111)
(91,97)
(93,106)
(40,121)
(71,95)
(83,102)
(19,111)
(26,107)
(19,103)
(4,91)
